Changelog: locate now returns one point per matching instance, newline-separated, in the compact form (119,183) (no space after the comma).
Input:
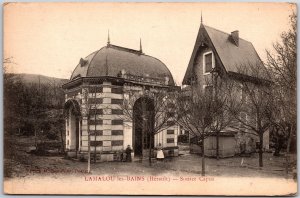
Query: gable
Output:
(230,56)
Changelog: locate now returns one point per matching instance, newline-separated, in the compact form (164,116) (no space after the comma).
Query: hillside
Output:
(36,78)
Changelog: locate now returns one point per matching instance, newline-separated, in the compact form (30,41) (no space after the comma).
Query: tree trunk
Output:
(35,139)
(217,151)
(150,149)
(261,142)
(287,157)
(62,142)
(203,158)
(95,117)
(89,147)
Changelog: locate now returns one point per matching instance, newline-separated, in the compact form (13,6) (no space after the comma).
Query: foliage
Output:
(282,61)
(31,108)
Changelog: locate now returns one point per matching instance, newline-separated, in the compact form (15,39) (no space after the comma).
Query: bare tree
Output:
(195,109)
(282,60)
(224,98)
(156,111)
(254,110)
(86,113)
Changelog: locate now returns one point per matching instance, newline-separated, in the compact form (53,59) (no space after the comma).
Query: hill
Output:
(36,78)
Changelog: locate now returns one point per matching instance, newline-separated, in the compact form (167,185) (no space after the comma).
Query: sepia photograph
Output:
(109,98)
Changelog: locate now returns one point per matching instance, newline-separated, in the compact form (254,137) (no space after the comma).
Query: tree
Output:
(254,110)
(223,100)
(195,110)
(282,60)
(89,112)
(156,111)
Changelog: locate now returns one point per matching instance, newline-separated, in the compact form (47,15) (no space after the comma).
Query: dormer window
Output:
(83,62)
(208,62)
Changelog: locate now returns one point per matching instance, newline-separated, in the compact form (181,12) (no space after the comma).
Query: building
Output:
(217,56)
(98,86)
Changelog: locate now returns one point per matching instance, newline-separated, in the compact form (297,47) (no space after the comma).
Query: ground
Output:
(23,164)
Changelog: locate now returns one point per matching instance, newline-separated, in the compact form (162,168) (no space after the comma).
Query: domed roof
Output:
(113,60)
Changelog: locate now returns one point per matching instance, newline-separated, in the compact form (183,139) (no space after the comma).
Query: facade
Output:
(98,86)
(218,56)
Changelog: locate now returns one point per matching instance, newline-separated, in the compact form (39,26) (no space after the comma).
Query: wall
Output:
(202,79)
(163,136)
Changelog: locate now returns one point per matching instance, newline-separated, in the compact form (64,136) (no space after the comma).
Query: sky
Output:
(50,38)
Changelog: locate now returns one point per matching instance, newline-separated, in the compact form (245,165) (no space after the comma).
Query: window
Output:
(117,143)
(117,111)
(96,132)
(116,101)
(95,100)
(208,62)
(96,112)
(94,122)
(243,95)
(116,132)
(170,140)
(96,89)
(96,143)
(170,131)
(117,90)
(117,122)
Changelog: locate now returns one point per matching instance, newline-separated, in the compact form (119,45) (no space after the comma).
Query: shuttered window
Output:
(116,101)
(117,143)
(117,111)
(96,143)
(170,131)
(117,90)
(117,122)
(96,89)
(170,140)
(93,122)
(116,132)
(96,111)
(97,132)
(95,100)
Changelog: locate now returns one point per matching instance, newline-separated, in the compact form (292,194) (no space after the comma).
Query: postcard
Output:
(150,98)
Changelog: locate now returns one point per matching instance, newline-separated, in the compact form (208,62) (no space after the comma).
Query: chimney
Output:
(235,37)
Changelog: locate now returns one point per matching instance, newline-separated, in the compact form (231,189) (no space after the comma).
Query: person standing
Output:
(160,154)
(128,153)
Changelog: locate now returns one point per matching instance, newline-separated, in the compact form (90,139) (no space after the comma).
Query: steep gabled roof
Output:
(231,56)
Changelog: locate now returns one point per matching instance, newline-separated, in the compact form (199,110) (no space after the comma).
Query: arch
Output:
(74,106)
(143,124)
(72,115)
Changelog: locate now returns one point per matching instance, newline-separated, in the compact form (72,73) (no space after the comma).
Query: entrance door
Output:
(143,124)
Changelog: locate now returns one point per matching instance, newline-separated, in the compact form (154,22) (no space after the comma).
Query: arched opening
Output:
(143,124)
(72,114)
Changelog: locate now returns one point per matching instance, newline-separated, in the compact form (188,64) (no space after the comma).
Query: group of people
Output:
(159,155)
